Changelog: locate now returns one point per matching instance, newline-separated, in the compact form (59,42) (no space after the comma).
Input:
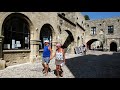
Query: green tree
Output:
(86,17)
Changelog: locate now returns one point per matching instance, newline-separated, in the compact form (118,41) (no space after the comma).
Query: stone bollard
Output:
(2,64)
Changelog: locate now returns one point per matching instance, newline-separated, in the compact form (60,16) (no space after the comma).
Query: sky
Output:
(101,15)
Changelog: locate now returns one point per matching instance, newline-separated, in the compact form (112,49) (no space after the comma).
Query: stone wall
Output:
(77,31)
(16,57)
(36,21)
(102,24)
(69,15)
(67,21)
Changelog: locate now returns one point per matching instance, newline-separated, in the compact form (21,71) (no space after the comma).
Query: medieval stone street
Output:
(95,64)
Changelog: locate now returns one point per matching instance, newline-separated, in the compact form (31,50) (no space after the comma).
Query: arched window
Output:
(16,32)
(46,33)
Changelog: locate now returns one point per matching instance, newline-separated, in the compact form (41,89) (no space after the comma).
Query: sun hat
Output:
(46,41)
(58,44)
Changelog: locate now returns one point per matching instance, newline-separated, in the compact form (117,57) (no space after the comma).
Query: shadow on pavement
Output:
(95,66)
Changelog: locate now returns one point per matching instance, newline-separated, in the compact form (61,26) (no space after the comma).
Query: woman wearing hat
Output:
(59,59)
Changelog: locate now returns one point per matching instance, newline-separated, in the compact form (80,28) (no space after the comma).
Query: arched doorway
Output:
(68,40)
(90,42)
(46,33)
(93,44)
(113,46)
(16,32)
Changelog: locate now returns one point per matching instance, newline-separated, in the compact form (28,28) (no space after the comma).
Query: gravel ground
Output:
(95,64)
(34,70)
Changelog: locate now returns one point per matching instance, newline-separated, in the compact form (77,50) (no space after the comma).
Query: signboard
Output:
(13,41)
(6,46)
(78,50)
(13,44)
(18,44)
(26,40)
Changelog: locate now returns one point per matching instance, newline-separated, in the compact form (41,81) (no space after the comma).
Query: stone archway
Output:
(90,42)
(113,46)
(46,32)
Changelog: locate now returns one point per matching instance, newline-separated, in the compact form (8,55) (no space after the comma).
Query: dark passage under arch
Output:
(91,41)
(113,46)
(46,33)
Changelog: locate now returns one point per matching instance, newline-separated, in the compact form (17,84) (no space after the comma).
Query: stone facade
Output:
(102,25)
(66,27)
(69,28)
(14,57)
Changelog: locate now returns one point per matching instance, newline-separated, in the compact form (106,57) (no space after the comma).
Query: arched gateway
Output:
(16,29)
(113,46)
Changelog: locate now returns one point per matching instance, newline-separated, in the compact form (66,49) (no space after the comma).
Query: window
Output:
(93,30)
(17,35)
(46,34)
(110,29)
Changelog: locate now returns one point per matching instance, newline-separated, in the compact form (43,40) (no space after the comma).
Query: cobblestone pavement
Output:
(95,64)
(34,70)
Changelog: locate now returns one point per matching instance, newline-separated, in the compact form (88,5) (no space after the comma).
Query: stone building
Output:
(106,31)
(22,33)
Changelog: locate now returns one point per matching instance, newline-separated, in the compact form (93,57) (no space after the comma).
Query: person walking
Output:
(59,59)
(47,53)
(84,49)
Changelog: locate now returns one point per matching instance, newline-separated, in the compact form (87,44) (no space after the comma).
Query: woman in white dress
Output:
(59,59)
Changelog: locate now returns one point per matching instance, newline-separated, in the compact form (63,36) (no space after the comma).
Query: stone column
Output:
(105,44)
(53,47)
(1,37)
(0,49)
(2,62)
(34,49)
(54,42)
(31,47)
(37,42)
